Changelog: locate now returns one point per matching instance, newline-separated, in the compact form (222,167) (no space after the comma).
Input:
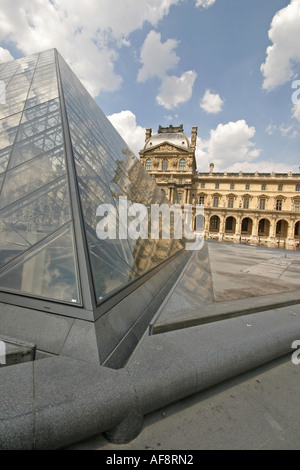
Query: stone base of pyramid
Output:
(110,339)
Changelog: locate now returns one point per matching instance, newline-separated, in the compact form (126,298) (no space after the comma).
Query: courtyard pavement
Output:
(255,410)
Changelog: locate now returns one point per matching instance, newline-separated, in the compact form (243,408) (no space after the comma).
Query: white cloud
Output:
(205,3)
(211,103)
(170,118)
(176,90)
(87,36)
(5,55)
(125,123)
(157,57)
(284,53)
(296,111)
(286,131)
(228,144)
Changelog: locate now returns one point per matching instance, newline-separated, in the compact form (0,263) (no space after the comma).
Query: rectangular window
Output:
(297,206)
(263,187)
(262,204)
(247,187)
(179,198)
(180,181)
(246,203)
(297,187)
(230,202)
(201,200)
(279,204)
(217,185)
(280,187)
(216,201)
(202,185)
(231,185)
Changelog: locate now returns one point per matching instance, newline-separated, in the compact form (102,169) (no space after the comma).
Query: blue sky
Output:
(226,66)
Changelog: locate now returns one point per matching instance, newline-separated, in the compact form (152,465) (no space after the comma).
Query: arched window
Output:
(148,164)
(164,166)
(182,165)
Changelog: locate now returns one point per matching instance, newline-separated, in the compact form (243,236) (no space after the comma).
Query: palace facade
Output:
(255,208)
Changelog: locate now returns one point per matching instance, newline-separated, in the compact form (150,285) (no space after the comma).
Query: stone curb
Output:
(55,402)
(223,310)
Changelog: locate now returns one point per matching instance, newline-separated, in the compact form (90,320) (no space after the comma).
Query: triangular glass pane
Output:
(32,175)
(49,270)
(35,217)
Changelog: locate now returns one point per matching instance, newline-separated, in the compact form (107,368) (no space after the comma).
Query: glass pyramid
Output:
(60,158)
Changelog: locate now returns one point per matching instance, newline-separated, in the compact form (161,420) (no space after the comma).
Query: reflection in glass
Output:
(109,271)
(37,244)
(49,270)
(33,218)
(32,175)
(107,169)
(36,145)
(4,157)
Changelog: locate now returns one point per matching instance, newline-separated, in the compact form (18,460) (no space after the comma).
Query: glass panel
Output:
(10,69)
(33,218)
(48,270)
(8,130)
(90,204)
(106,169)
(44,86)
(32,175)
(4,157)
(15,94)
(109,271)
(36,145)
(34,121)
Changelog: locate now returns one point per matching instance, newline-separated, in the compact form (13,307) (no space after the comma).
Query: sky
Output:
(229,67)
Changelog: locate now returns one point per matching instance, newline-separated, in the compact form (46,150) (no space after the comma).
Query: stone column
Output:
(222,226)
(238,228)
(187,196)
(273,228)
(272,234)
(291,233)
(255,229)
(206,223)
(172,193)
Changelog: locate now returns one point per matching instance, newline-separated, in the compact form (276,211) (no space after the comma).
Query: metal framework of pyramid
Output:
(60,158)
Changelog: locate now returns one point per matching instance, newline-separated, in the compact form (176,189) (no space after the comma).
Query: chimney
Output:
(211,168)
(148,134)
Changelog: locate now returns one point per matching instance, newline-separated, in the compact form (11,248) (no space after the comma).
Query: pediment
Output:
(165,147)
